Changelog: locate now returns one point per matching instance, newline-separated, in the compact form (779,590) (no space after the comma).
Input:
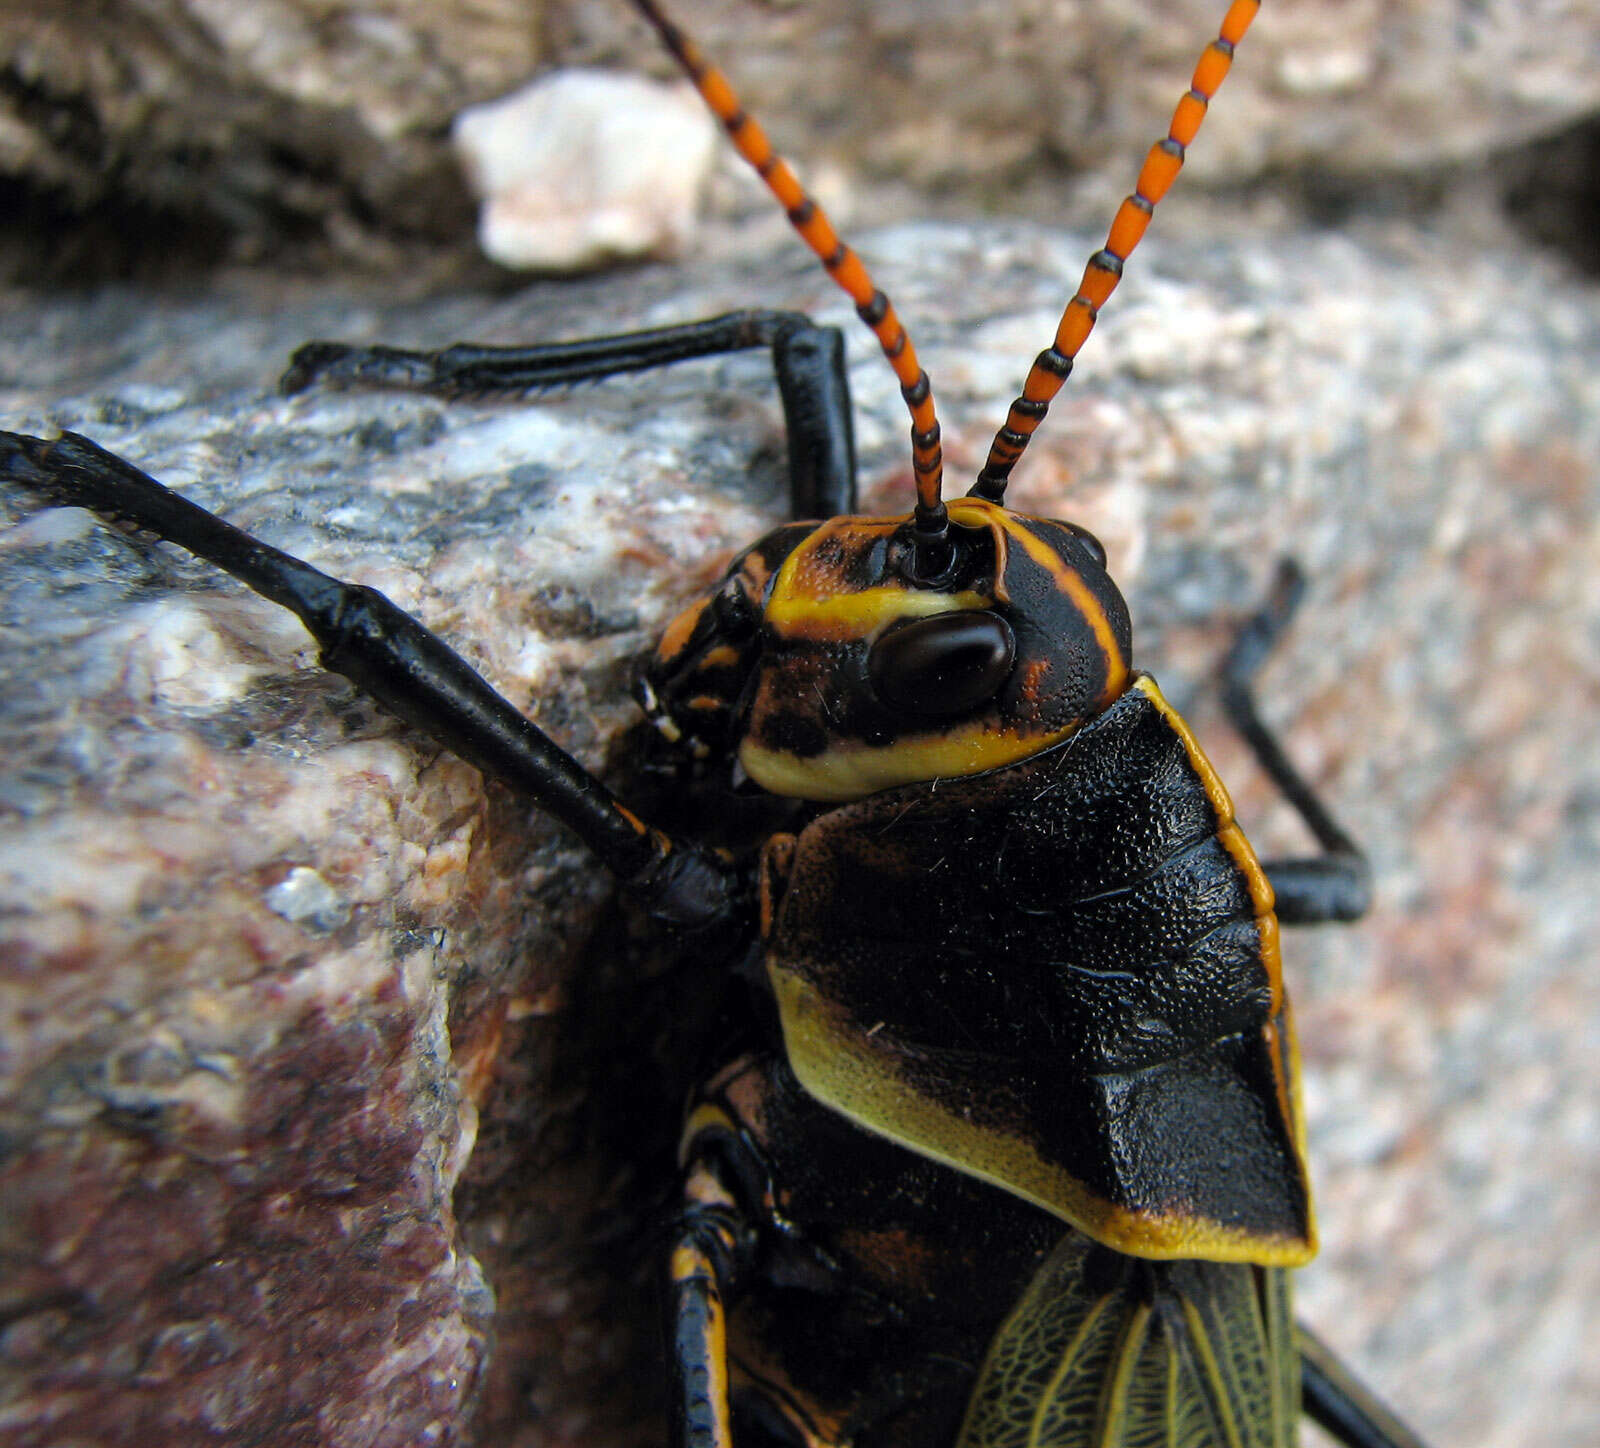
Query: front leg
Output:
(411,672)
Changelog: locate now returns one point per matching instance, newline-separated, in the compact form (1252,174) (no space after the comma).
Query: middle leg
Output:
(808,359)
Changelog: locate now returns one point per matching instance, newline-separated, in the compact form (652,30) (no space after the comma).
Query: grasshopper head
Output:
(833,668)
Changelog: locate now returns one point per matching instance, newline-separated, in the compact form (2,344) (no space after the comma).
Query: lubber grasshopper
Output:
(1005,1147)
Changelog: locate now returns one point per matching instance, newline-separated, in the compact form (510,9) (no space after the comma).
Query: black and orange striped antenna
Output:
(843,265)
(1052,366)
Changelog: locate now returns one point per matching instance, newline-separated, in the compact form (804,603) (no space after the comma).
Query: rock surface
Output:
(340,1103)
(303,121)
(585,167)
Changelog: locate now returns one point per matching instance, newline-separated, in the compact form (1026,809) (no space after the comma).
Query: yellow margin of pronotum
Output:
(845,1069)
(1285,1052)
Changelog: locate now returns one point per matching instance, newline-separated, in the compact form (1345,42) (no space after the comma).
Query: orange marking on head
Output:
(675,637)
(1034,676)
(755,571)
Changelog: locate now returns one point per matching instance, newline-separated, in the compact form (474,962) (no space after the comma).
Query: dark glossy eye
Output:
(943,665)
(1096,548)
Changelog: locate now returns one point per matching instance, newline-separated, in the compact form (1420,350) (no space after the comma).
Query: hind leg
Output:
(1337,1401)
(1337,883)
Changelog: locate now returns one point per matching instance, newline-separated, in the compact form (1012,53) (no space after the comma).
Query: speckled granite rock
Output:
(336,1115)
(584,167)
(304,120)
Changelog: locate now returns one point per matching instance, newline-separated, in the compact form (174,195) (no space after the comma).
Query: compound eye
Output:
(944,665)
(1097,549)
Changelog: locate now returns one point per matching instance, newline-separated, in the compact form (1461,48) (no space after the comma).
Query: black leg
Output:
(1335,1399)
(808,359)
(1337,884)
(393,658)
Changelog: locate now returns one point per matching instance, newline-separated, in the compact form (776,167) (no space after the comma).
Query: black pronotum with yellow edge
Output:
(1009,1150)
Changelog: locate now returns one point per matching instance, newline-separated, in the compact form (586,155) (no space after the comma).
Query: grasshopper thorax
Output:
(833,669)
